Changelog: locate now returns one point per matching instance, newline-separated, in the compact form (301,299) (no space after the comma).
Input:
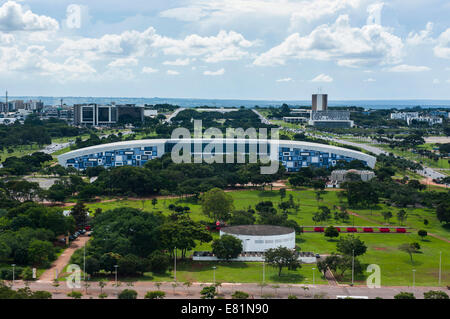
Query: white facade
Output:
(261,243)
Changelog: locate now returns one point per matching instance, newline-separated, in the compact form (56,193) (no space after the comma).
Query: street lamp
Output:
(175,265)
(414,277)
(264,270)
(440,267)
(13,266)
(116,266)
(214,275)
(314,278)
(353,267)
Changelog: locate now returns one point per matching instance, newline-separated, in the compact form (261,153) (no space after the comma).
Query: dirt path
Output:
(63,259)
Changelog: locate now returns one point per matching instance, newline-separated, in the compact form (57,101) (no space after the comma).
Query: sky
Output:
(226,49)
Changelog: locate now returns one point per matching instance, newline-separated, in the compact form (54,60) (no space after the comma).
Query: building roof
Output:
(258,230)
(281,143)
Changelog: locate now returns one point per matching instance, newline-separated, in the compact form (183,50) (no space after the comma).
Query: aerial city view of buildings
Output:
(245,149)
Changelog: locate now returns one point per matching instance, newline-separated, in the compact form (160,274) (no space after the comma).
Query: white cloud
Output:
(421,37)
(148,70)
(285,80)
(436,81)
(215,73)
(442,49)
(178,62)
(225,11)
(124,62)
(366,46)
(374,11)
(408,68)
(370,80)
(322,78)
(13,17)
(226,46)
(172,72)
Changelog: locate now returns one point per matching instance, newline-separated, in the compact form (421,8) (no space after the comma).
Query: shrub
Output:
(155,294)
(128,294)
(239,295)
(405,295)
(75,295)
(435,294)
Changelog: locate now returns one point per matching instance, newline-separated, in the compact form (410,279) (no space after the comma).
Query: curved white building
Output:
(292,154)
(259,238)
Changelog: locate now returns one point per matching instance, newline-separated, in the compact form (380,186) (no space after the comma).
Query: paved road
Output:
(281,291)
(174,114)
(426,172)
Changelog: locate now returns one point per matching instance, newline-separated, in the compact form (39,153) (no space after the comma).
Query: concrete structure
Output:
(293,155)
(99,115)
(340,176)
(293,119)
(404,115)
(260,238)
(331,119)
(320,102)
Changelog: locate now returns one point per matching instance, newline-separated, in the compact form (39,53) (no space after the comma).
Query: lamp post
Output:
(116,266)
(84,263)
(13,267)
(414,278)
(214,275)
(440,267)
(175,265)
(353,267)
(264,271)
(314,278)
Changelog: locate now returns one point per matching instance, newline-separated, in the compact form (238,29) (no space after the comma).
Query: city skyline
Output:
(240,49)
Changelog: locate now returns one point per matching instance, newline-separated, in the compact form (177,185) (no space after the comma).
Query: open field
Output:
(396,267)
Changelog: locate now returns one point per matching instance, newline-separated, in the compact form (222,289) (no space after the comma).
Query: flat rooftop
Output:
(258,230)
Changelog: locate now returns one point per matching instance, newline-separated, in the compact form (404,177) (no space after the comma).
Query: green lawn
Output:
(396,268)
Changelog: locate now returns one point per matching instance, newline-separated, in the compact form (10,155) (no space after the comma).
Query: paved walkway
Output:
(63,260)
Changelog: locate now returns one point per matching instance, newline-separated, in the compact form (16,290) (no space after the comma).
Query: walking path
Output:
(62,261)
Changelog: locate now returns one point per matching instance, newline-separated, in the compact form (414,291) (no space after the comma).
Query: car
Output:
(82,231)
(317,256)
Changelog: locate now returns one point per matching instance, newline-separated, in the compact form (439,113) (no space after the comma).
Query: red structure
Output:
(400,230)
(385,230)
(368,230)
(319,229)
(352,230)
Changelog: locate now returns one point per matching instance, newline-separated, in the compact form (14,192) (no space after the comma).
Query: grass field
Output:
(396,267)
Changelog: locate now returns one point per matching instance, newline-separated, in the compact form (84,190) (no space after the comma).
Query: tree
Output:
(387,216)
(217,204)
(351,245)
(227,247)
(443,213)
(208,292)
(243,217)
(435,294)
(159,262)
(40,252)
(410,249)
(239,295)
(422,233)
(401,216)
(404,295)
(282,193)
(282,257)
(154,202)
(80,213)
(157,294)
(128,294)
(331,232)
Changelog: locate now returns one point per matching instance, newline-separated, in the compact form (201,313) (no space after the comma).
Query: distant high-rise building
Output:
(320,102)
(94,114)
